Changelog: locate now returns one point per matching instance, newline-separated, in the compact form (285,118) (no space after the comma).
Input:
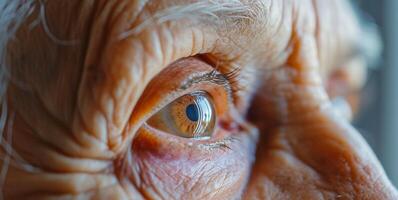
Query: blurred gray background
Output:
(378,118)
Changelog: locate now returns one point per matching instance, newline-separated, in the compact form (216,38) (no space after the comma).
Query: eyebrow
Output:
(211,12)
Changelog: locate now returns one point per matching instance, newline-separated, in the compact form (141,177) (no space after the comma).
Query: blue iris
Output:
(192,112)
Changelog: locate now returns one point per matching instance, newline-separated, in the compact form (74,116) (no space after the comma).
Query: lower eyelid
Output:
(153,144)
(158,141)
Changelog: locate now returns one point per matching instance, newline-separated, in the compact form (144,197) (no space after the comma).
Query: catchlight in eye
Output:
(190,116)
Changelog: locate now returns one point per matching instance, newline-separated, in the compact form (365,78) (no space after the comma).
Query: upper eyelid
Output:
(213,76)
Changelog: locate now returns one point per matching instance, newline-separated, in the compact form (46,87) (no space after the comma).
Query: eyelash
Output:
(224,73)
(228,80)
(224,144)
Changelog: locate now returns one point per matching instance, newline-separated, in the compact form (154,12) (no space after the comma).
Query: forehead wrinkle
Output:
(236,23)
(242,29)
(216,13)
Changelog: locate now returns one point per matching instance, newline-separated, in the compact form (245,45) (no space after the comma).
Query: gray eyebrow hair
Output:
(210,11)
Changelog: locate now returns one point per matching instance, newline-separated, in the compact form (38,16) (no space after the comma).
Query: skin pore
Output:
(87,75)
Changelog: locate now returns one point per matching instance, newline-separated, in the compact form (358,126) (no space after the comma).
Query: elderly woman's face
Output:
(164,99)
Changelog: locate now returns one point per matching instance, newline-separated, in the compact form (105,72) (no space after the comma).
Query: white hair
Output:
(12,15)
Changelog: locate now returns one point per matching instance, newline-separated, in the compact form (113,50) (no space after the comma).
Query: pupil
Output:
(192,112)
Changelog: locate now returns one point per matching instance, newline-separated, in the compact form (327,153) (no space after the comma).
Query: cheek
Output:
(173,171)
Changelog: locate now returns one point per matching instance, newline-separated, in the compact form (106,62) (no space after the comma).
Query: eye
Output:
(187,124)
(189,116)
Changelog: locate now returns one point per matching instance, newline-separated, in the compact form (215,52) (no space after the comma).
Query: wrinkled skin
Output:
(80,111)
